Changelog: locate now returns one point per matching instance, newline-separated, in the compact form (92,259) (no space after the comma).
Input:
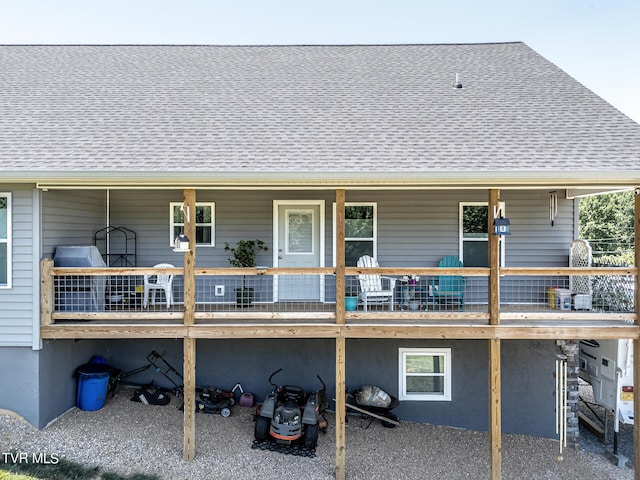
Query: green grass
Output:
(63,470)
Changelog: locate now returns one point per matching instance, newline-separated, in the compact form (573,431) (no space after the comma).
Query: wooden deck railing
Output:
(115,294)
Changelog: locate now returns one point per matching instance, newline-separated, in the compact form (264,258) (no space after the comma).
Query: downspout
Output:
(108,224)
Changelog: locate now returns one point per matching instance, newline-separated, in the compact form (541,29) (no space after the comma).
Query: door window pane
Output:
(300,231)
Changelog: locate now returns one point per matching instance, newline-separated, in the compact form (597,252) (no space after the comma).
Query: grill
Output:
(79,293)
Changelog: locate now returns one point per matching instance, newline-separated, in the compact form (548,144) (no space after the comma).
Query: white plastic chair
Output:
(153,283)
(371,286)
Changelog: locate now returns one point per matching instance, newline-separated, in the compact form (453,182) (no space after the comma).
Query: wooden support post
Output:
(494,261)
(495,401)
(341,407)
(47,294)
(189,365)
(190,257)
(340,257)
(495,418)
(189,447)
(341,393)
(636,341)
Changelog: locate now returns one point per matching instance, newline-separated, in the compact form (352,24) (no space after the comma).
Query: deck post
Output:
(636,341)
(189,348)
(47,293)
(495,402)
(494,260)
(495,419)
(341,393)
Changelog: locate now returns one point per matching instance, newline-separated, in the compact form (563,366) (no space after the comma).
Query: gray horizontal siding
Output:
(415,228)
(17,311)
(71,217)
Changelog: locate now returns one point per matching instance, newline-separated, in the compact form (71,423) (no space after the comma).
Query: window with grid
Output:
(5,240)
(360,231)
(474,239)
(425,374)
(204,220)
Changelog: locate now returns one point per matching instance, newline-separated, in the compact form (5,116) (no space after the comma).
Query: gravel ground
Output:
(129,437)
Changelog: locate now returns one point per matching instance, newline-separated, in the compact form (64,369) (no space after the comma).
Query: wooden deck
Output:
(318,320)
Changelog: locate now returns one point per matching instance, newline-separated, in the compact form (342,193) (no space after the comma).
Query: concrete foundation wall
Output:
(58,384)
(527,374)
(19,380)
(40,385)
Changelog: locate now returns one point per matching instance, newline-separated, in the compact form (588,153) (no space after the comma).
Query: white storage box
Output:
(582,301)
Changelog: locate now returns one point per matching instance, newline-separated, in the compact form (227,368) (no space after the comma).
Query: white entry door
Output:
(299,244)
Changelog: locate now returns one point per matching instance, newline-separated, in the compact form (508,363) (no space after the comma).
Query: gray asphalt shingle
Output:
(303,109)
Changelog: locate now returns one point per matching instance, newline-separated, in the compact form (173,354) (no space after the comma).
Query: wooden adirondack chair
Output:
(371,286)
(449,286)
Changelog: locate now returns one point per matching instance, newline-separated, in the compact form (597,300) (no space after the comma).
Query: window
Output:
(474,239)
(425,374)
(5,240)
(360,231)
(205,220)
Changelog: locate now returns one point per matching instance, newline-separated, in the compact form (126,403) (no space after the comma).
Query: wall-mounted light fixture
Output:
(181,243)
(501,226)
(500,223)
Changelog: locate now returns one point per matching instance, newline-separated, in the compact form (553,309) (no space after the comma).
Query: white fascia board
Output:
(578,179)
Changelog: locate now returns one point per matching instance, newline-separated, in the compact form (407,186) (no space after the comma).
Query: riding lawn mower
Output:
(289,415)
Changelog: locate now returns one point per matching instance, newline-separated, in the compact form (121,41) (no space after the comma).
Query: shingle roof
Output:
(315,112)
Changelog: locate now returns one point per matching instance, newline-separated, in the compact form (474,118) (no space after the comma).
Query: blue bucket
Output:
(93,383)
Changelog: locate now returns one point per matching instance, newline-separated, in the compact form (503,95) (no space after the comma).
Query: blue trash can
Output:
(93,383)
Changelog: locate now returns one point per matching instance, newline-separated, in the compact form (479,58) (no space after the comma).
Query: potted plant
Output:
(244,256)
(350,298)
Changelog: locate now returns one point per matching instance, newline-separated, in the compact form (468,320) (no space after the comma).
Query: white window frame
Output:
(347,239)
(212,225)
(8,241)
(501,238)
(430,397)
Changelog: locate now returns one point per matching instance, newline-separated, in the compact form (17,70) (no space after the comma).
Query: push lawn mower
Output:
(214,400)
(288,415)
